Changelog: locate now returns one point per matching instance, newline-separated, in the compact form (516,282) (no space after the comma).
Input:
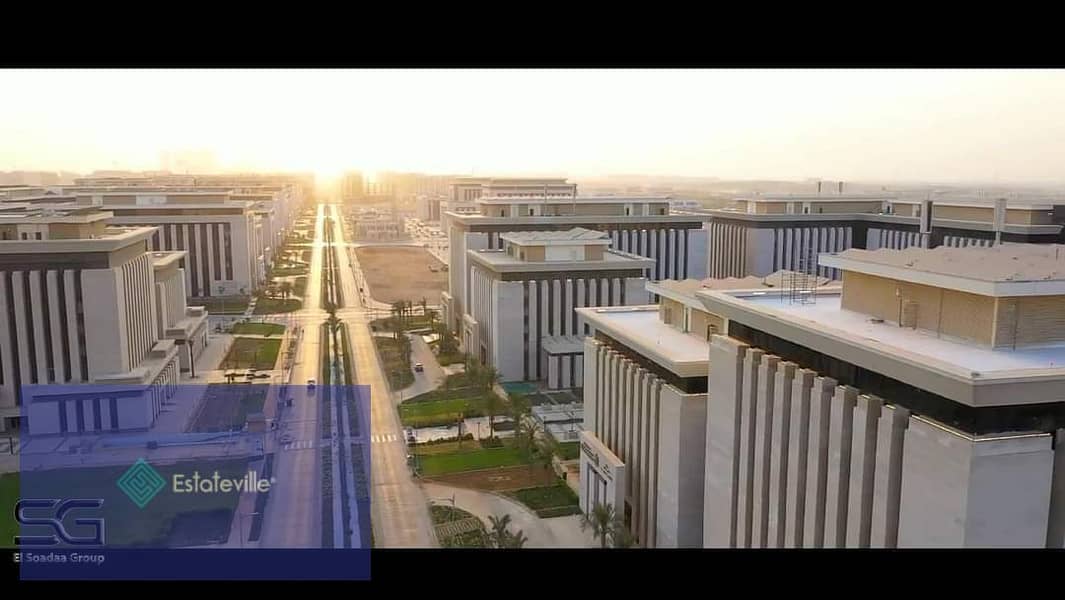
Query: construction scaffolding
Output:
(800,284)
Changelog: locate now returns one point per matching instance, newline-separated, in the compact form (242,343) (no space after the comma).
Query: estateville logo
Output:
(142,483)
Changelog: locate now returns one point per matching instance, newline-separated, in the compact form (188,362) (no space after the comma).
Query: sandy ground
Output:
(401,273)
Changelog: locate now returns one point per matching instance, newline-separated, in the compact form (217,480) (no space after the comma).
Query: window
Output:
(38,235)
(806,210)
(24,236)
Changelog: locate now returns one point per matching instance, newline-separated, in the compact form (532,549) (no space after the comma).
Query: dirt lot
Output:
(402,273)
(501,479)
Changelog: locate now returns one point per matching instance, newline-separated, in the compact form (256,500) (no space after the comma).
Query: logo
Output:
(59,508)
(141,483)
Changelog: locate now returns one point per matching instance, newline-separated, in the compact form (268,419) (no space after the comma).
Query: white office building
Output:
(522,300)
(639,225)
(80,304)
(226,239)
(645,407)
(919,404)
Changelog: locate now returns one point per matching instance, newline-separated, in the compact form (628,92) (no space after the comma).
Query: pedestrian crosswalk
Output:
(300,445)
(384,438)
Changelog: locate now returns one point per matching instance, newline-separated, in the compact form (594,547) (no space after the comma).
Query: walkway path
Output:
(559,532)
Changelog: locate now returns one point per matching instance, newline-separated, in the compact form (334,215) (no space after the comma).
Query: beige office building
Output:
(918,404)
(645,406)
(81,302)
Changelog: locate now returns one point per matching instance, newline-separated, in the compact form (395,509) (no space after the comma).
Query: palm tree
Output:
(424,306)
(497,537)
(490,376)
(601,520)
(546,450)
(517,540)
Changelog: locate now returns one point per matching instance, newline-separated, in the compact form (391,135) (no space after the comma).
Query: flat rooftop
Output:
(640,329)
(612,260)
(570,199)
(575,235)
(1004,270)
(954,369)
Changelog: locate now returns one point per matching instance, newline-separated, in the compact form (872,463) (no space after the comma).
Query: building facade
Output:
(78,305)
(522,319)
(763,234)
(916,405)
(677,244)
(645,409)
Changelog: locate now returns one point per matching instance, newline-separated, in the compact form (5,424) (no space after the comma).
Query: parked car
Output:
(311,383)
(419,367)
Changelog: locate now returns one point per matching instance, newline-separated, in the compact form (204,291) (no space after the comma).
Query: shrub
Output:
(558,511)
(492,442)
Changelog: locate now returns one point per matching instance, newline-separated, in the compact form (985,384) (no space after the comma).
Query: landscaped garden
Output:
(549,501)
(473,459)
(258,329)
(271,306)
(226,407)
(256,353)
(395,357)
(235,305)
(457,528)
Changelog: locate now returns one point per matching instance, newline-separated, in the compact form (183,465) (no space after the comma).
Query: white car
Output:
(311,383)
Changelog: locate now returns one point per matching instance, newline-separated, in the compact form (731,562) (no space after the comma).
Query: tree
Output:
(546,450)
(490,376)
(500,536)
(285,288)
(425,309)
(601,520)
(492,406)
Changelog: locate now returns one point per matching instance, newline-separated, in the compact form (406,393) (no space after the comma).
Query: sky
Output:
(857,125)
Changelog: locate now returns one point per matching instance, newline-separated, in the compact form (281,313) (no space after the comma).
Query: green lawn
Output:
(203,517)
(450,358)
(271,306)
(8,497)
(473,460)
(226,407)
(409,323)
(441,412)
(256,353)
(569,450)
(397,369)
(258,328)
(289,270)
(550,496)
(219,306)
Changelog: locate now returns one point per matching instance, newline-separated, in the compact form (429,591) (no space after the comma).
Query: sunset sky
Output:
(931,125)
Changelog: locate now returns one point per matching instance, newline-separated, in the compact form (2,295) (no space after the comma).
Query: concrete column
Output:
(1056,527)
(840,443)
(817,462)
(798,458)
(767,371)
(748,424)
(863,465)
(887,479)
(724,407)
(989,491)
(779,457)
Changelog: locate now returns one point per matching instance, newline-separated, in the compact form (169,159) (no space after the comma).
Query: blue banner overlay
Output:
(213,481)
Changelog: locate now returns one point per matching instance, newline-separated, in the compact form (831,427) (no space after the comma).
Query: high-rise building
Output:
(640,225)
(351,187)
(82,302)
(762,234)
(521,317)
(919,404)
(645,407)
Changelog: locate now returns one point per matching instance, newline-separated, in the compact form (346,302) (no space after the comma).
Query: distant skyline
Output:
(936,126)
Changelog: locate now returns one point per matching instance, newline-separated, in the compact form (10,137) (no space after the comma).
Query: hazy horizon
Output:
(892,126)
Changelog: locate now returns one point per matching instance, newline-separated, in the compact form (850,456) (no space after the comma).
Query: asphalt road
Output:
(399,508)
(293,517)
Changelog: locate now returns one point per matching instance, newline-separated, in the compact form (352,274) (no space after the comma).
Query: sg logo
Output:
(59,508)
